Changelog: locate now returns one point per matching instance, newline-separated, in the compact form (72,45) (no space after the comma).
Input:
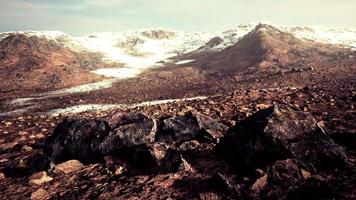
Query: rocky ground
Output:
(277,135)
(199,149)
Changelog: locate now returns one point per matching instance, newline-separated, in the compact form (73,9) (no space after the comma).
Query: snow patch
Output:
(82,108)
(104,107)
(119,73)
(16,112)
(184,62)
(81,88)
(21,101)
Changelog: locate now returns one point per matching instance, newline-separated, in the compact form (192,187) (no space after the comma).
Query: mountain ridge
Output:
(268,49)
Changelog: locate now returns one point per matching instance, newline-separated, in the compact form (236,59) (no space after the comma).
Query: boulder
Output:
(191,126)
(278,133)
(283,177)
(77,139)
(129,130)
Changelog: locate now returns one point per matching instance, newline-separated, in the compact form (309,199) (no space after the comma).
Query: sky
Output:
(78,17)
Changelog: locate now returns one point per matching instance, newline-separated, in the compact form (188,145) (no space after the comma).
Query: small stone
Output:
(38,194)
(8,123)
(262,106)
(259,184)
(27,148)
(119,170)
(246,179)
(68,167)
(2,176)
(40,136)
(306,175)
(39,178)
(259,172)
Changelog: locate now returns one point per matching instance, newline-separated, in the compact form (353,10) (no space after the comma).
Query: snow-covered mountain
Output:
(146,48)
(59,37)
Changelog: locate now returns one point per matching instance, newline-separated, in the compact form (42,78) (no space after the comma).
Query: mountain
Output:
(268,49)
(144,48)
(48,59)
(39,63)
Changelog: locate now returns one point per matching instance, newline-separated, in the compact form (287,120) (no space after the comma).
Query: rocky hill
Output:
(266,49)
(32,62)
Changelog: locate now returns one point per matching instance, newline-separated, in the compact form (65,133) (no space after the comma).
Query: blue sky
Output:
(86,16)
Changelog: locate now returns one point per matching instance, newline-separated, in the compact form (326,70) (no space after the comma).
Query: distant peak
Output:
(158,34)
(266,28)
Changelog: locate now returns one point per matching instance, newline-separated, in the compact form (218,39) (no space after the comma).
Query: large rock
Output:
(129,130)
(282,178)
(77,139)
(191,126)
(278,133)
(133,137)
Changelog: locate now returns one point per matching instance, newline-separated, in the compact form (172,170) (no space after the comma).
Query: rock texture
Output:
(279,133)
(133,137)
(77,139)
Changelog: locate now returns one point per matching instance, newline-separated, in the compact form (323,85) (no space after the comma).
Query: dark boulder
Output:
(129,130)
(77,139)
(191,126)
(278,133)
(283,177)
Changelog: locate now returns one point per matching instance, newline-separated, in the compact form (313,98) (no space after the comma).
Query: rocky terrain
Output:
(270,117)
(32,63)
